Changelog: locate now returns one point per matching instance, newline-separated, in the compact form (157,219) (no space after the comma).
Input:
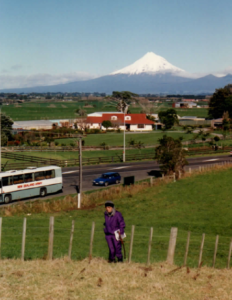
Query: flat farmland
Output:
(66,110)
(75,154)
(116,139)
(56,110)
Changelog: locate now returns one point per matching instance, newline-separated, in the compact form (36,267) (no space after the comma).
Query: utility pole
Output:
(0,140)
(124,139)
(80,173)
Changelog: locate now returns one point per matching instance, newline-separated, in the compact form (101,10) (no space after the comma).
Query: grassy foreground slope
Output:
(63,279)
(200,204)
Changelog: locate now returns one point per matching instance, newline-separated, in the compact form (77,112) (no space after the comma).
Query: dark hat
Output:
(109,203)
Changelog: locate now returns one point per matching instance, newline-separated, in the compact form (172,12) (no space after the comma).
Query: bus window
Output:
(6,181)
(18,179)
(28,177)
(49,174)
(39,176)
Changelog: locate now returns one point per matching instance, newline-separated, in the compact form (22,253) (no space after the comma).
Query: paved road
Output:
(141,170)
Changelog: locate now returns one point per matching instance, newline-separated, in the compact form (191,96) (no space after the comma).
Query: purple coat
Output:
(114,222)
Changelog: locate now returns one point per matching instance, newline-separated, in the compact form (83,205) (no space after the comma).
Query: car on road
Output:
(107,178)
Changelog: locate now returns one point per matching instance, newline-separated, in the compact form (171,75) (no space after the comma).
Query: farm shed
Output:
(37,124)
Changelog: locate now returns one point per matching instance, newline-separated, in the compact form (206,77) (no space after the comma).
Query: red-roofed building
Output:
(133,122)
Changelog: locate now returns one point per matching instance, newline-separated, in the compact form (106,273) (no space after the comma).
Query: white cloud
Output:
(224,72)
(20,81)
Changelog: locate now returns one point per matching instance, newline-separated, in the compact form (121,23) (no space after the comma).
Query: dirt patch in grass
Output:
(88,106)
(65,279)
(64,106)
(52,106)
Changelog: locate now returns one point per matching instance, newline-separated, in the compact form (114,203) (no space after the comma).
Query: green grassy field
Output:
(116,139)
(55,110)
(66,110)
(200,204)
(75,154)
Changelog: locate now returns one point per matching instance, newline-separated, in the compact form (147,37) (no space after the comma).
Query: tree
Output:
(225,121)
(81,112)
(6,127)
(107,124)
(168,118)
(139,145)
(131,142)
(122,100)
(171,155)
(49,140)
(221,102)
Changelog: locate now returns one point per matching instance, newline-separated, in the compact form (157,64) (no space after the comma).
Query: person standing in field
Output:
(114,226)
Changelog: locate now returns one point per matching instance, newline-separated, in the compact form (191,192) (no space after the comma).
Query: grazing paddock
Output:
(44,110)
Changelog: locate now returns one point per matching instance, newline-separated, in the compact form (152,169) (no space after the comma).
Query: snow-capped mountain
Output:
(150,74)
(151,63)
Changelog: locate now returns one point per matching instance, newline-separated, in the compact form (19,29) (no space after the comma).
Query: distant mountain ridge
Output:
(150,74)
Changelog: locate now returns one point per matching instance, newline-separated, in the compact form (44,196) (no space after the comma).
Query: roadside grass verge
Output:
(65,279)
(200,203)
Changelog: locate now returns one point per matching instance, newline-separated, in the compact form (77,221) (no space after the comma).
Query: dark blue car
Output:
(107,178)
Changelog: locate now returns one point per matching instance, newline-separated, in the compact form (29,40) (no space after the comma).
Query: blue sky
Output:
(66,39)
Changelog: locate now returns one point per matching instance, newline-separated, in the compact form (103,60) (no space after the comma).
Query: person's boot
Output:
(110,261)
(120,259)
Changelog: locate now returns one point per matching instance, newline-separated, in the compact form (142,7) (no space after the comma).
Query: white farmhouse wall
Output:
(146,128)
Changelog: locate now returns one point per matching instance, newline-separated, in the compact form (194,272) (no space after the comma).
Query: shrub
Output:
(106,124)
(217,138)
(105,146)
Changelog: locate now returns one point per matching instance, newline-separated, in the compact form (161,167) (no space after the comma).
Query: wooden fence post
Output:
(78,200)
(199,168)
(91,242)
(149,246)
(71,240)
(187,249)
(51,238)
(151,181)
(131,243)
(229,255)
(172,245)
(201,250)
(174,177)
(23,238)
(190,170)
(0,237)
(215,250)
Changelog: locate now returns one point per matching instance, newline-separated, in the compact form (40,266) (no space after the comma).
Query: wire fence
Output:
(89,241)
(28,160)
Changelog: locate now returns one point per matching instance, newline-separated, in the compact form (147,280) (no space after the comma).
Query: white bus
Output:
(31,182)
